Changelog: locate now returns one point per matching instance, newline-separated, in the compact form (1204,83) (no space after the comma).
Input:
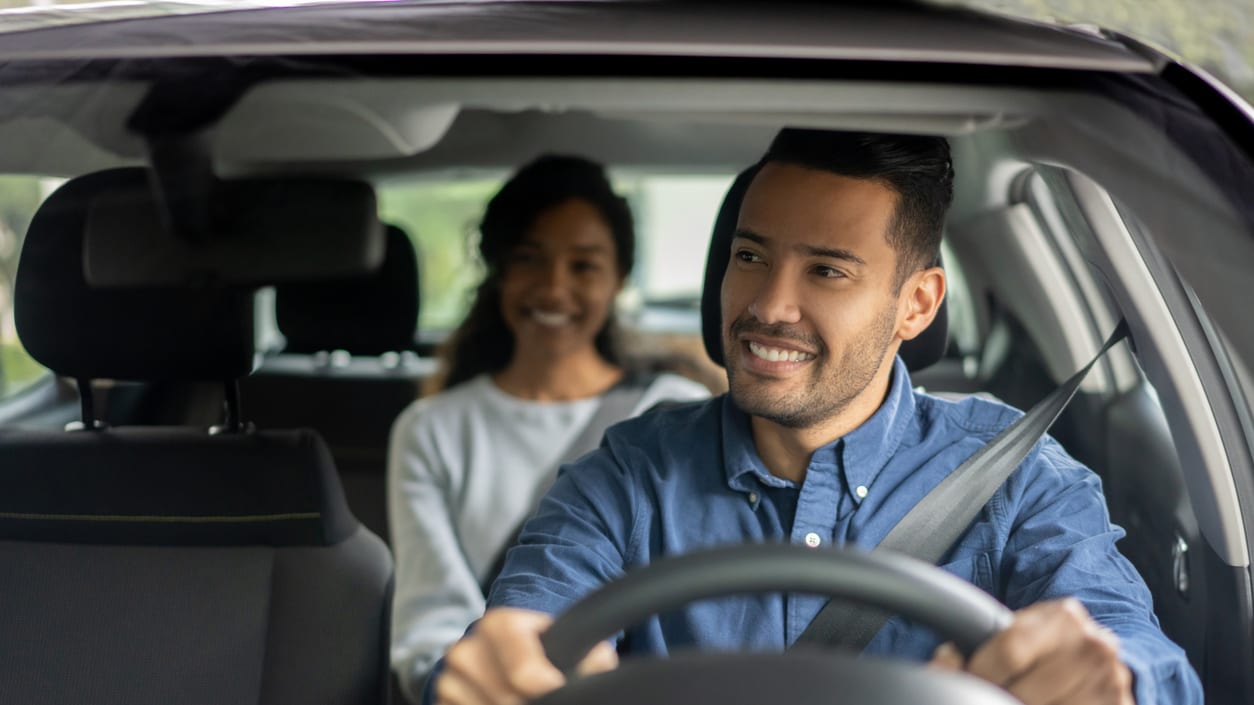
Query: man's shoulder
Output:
(981,415)
(666,420)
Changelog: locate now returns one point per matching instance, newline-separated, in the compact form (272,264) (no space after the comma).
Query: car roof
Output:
(871,32)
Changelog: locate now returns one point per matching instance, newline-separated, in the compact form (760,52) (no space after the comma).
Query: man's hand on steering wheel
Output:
(502,662)
(1053,652)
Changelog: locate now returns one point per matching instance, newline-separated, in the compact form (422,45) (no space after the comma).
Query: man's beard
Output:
(832,385)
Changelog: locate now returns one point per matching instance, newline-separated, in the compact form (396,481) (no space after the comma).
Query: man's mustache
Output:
(749,324)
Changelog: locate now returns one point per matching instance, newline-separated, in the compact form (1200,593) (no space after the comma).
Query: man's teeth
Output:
(778,354)
(546,318)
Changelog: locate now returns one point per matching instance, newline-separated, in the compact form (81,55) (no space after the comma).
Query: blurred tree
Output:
(1217,35)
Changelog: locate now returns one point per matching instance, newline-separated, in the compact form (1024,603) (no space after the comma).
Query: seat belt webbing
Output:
(939,519)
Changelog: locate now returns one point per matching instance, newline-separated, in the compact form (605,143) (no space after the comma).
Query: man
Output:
(822,441)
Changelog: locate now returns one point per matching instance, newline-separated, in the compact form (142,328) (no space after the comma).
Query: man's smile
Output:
(772,357)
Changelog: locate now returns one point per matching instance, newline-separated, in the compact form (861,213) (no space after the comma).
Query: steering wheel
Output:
(957,611)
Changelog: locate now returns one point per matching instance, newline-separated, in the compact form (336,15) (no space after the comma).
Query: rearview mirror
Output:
(260,232)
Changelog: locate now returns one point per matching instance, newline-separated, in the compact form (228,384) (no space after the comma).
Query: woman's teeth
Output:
(546,318)
(778,354)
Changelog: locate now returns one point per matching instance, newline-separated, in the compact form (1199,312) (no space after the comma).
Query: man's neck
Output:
(786,451)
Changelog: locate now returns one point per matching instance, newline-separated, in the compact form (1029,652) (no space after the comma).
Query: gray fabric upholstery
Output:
(169,565)
(208,626)
(170,486)
(132,625)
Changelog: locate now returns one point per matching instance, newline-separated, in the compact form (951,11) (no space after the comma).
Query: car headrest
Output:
(367,315)
(924,350)
(131,333)
(119,486)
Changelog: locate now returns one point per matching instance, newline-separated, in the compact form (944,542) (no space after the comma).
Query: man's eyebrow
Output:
(808,250)
(832,252)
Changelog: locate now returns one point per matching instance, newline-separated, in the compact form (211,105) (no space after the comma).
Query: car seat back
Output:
(159,565)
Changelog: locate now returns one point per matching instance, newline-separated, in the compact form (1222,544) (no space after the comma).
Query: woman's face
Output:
(558,283)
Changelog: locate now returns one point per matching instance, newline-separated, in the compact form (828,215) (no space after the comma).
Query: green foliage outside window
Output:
(19,197)
(442,219)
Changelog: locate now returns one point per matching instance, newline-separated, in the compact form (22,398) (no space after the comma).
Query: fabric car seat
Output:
(347,370)
(923,351)
(157,565)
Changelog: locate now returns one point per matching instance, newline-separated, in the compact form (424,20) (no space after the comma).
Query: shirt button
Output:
(860,491)
(813,540)
(753,498)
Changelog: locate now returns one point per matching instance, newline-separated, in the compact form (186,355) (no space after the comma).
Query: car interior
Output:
(181,499)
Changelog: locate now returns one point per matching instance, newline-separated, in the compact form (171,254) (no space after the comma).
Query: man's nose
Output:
(776,300)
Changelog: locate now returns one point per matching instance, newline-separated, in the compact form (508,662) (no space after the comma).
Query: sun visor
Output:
(258,232)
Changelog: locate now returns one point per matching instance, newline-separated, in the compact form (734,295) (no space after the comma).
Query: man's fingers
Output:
(947,657)
(470,679)
(501,662)
(519,655)
(602,658)
(1054,653)
(452,689)
(1091,672)
(1054,680)
(1035,632)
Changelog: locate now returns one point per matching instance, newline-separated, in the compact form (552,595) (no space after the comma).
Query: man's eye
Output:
(829,272)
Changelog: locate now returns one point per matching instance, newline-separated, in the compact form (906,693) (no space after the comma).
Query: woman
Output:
(531,377)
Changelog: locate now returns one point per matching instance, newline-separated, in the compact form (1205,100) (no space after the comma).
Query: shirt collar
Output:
(863,452)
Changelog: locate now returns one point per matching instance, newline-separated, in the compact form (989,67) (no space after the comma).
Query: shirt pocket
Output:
(976,569)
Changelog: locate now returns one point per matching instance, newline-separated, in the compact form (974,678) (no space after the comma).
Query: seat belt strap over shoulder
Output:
(932,527)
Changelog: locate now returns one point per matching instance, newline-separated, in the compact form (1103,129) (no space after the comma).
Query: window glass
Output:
(19,197)
(674,216)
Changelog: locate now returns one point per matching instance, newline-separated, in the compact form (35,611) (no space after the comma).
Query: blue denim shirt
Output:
(679,480)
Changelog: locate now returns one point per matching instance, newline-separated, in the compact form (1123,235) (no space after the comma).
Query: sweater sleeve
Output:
(436,593)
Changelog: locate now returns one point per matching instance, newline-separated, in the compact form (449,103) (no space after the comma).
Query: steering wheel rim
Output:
(955,609)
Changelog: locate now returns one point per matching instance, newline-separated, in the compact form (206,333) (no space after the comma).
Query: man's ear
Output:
(920,299)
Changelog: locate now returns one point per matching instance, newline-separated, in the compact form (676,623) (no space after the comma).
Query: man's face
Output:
(808,301)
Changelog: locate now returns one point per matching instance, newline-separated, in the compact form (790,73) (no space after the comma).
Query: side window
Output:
(19,197)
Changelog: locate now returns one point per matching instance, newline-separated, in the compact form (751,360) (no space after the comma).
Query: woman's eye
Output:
(747,256)
(586,266)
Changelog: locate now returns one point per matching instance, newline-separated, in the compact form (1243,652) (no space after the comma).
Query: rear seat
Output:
(348,368)
(171,565)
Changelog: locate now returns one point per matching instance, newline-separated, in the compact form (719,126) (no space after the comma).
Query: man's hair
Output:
(917,168)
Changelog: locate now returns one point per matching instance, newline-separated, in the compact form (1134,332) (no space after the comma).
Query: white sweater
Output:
(465,468)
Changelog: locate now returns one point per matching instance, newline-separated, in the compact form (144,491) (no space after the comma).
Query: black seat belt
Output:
(616,405)
(939,519)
